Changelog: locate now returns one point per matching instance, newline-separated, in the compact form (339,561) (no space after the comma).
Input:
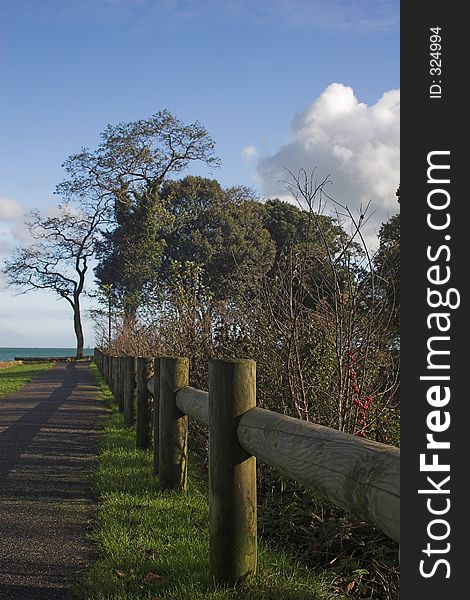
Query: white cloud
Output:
(3,280)
(12,227)
(10,210)
(248,153)
(355,144)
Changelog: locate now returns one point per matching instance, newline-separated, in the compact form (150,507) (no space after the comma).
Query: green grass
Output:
(154,545)
(14,378)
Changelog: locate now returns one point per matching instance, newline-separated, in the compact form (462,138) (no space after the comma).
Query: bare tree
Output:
(58,259)
(129,166)
(365,369)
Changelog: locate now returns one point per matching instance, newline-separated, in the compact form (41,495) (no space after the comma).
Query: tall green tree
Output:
(130,254)
(133,159)
(309,245)
(126,171)
(221,230)
(387,267)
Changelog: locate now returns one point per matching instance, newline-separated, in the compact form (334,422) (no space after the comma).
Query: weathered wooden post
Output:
(106,367)
(232,473)
(143,372)
(173,438)
(112,372)
(156,416)
(120,383)
(129,391)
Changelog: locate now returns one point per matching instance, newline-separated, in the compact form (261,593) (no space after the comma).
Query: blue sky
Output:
(258,74)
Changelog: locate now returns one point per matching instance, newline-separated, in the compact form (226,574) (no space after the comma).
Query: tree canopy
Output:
(127,170)
(220,230)
(133,159)
(116,184)
(130,254)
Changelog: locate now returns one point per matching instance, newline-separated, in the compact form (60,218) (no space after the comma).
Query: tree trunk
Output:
(77,326)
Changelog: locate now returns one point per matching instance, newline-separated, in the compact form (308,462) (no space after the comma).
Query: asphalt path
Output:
(49,436)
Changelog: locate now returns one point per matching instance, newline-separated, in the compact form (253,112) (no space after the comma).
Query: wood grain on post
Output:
(173,442)
(156,416)
(232,473)
(130,397)
(143,371)
(359,475)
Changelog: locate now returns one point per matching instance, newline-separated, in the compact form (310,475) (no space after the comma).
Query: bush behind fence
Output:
(356,474)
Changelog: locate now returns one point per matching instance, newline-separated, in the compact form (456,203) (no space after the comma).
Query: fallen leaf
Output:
(351,585)
(151,578)
(120,573)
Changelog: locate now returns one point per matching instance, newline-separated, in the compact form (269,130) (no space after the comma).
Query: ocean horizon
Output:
(9,354)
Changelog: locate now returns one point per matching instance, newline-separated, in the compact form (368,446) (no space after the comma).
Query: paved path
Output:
(48,444)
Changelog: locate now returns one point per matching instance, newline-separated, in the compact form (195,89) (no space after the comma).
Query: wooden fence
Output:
(356,474)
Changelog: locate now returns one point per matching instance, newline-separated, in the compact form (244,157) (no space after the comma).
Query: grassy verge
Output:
(13,378)
(154,545)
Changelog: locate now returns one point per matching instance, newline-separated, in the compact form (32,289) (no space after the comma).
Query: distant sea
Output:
(8,354)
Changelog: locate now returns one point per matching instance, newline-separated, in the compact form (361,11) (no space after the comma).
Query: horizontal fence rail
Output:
(194,403)
(356,474)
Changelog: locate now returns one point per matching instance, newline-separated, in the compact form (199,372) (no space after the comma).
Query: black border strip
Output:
(432,120)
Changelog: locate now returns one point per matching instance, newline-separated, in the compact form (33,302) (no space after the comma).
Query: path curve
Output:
(49,436)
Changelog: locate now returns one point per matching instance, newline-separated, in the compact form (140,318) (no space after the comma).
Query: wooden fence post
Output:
(156,416)
(232,473)
(120,384)
(129,391)
(143,369)
(112,382)
(106,367)
(173,439)
(109,370)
